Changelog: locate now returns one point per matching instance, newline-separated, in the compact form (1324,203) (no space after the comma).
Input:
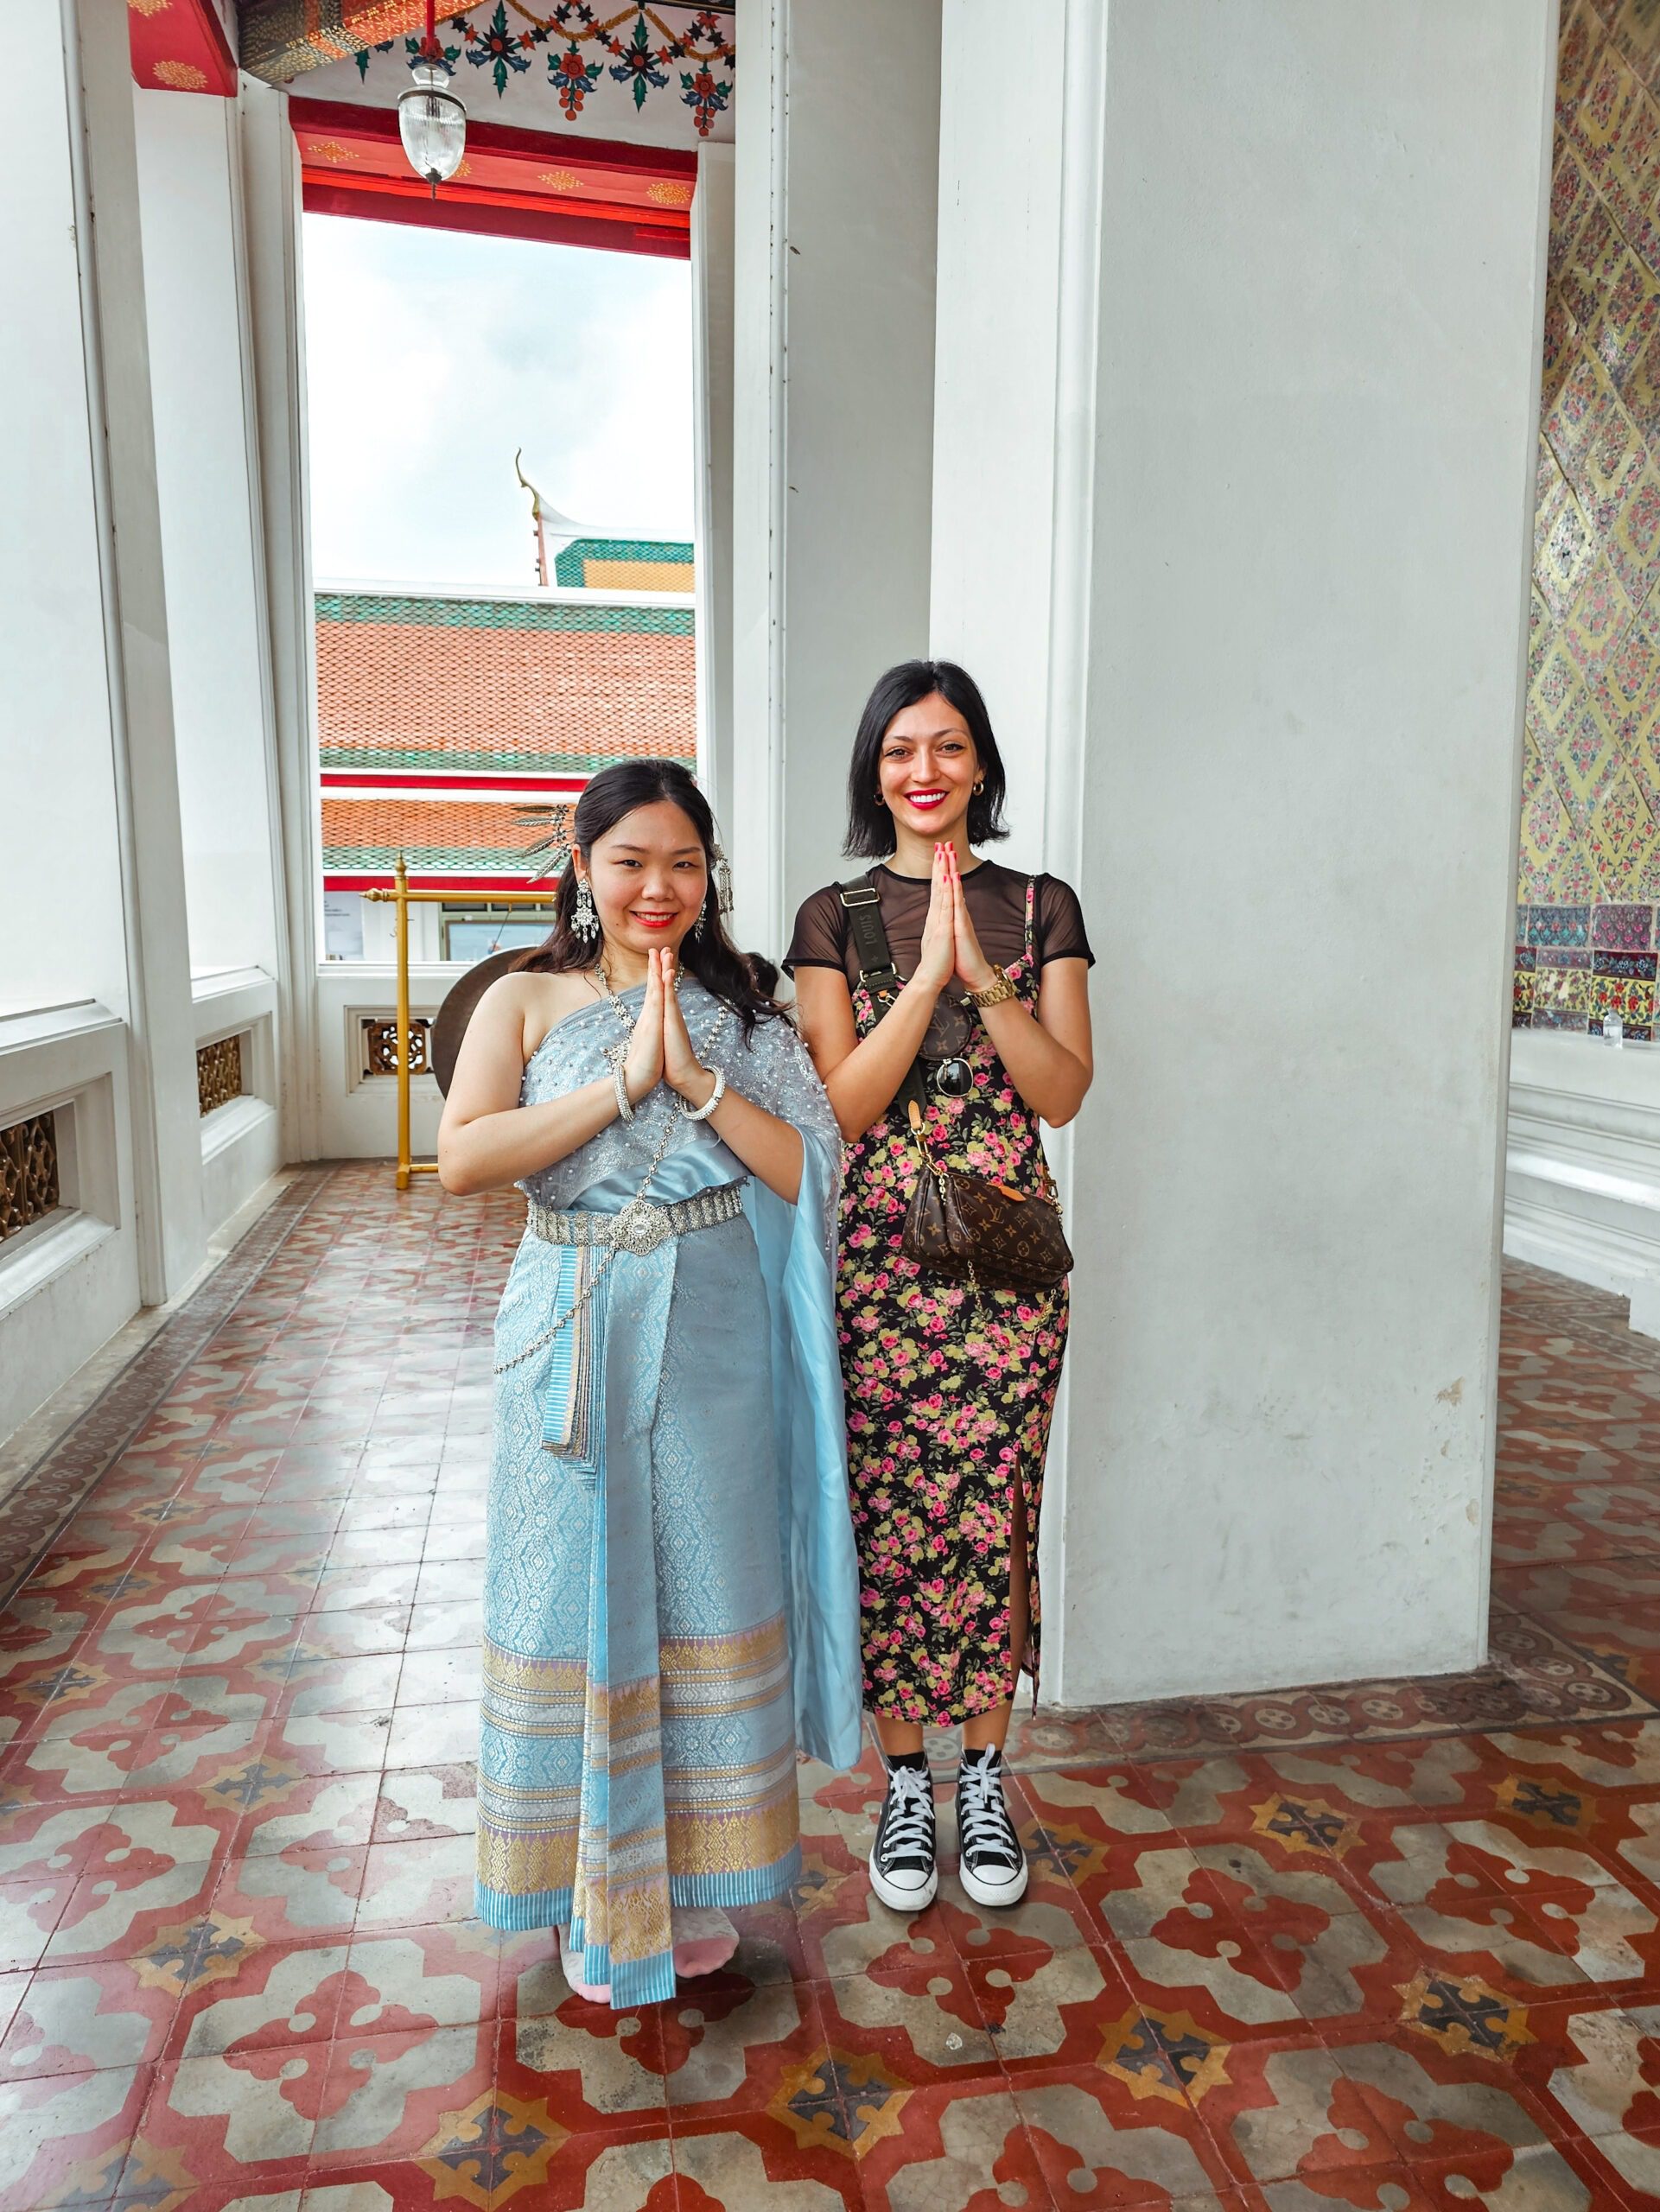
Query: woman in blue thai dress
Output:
(671,1600)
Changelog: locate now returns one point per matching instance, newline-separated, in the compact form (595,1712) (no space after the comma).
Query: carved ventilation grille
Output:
(219,1074)
(380,1046)
(28,1172)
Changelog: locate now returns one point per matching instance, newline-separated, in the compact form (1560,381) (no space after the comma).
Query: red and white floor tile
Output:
(1384,1945)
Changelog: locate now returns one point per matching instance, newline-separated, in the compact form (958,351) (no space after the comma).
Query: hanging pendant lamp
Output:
(431,121)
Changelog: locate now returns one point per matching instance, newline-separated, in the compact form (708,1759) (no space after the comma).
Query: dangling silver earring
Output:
(723,882)
(584,918)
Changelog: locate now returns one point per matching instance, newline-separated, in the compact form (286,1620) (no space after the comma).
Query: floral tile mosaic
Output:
(1589,849)
(1373,1944)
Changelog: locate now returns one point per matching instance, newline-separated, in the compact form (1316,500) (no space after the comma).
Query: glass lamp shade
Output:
(432,122)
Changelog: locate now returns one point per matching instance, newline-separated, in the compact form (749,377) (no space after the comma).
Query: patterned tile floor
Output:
(1388,1945)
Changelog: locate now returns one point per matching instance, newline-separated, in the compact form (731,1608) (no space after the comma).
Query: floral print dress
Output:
(949,1395)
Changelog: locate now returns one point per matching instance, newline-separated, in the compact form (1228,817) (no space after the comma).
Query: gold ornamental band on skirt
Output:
(716,1823)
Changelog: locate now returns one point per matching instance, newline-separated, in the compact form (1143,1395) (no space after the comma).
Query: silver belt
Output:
(641,1226)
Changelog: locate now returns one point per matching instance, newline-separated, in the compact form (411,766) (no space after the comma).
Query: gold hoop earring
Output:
(979,787)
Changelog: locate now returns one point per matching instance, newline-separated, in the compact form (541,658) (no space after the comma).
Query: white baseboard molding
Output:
(241,1150)
(1582,1179)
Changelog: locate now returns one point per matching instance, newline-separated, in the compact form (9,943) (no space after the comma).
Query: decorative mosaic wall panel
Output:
(219,1074)
(1589,877)
(28,1172)
(379,1037)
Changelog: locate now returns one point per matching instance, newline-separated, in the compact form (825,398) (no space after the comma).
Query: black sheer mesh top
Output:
(997,897)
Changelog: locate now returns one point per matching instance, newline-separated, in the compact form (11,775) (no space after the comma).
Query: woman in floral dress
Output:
(949,1387)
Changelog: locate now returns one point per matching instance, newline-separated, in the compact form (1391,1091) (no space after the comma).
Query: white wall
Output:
(60,911)
(1321,282)
(1582,1185)
(359,1114)
(275,319)
(832,414)
(191,205)
(995,402)
(68,1281)
(130,625)
(711,292)
(1305,431)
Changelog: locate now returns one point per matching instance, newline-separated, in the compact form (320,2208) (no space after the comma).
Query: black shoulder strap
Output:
(876,969)
(864,913)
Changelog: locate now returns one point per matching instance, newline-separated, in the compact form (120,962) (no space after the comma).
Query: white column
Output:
(1019,193)
(207,464)
(833,407)
(1284,482)
(191,192)
(166,1140)
(711,292)
(271,183)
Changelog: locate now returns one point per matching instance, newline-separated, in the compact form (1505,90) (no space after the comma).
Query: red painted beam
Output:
(591,192)
(327,197)
(463,886)
(347,118)
(418,781)
(179,46)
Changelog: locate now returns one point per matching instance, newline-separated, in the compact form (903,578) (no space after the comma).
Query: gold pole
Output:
(401,879)
(405,898)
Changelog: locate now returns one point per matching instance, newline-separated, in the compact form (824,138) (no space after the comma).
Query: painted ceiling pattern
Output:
(1589,862)
(667,71)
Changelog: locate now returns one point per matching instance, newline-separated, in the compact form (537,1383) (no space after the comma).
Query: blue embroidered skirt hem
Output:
(553,1908)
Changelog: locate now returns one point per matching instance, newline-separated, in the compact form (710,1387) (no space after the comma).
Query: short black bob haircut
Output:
(870,825)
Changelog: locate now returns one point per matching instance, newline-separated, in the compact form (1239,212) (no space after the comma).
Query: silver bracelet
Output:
(625,1103)
(712,1102)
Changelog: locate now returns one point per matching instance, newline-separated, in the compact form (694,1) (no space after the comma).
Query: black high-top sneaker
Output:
(990,1861)
(902,1870)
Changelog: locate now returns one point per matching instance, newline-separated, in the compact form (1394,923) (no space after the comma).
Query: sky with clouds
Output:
(432,354)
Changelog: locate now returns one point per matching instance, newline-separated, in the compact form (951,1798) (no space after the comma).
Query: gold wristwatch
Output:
(996,992)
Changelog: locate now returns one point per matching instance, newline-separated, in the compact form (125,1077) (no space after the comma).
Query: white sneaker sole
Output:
(909,1898)
(1010,1890)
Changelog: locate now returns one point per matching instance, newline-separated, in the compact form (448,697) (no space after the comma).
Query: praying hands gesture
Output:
(950,946)
(659,1049)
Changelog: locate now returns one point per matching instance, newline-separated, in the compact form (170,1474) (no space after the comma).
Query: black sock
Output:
(917,1760)
(982,1755)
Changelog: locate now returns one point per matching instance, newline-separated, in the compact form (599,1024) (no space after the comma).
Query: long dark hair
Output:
(744,980)
(870,825)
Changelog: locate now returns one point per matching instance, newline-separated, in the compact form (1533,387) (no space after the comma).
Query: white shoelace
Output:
(985,1829)
(908,1820)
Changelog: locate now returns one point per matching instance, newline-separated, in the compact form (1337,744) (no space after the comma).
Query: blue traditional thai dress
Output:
(670,1599)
